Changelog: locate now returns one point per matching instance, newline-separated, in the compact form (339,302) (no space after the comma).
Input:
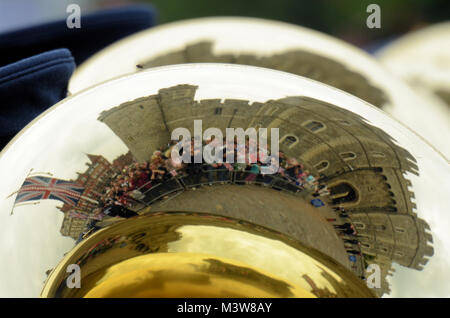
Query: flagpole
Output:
(14,205)
(22,204)
(47,173)
(28,174)
(12,194)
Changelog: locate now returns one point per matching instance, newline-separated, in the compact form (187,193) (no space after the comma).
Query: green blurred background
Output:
(345,19)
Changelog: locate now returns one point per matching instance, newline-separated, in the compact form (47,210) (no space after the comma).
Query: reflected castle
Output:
(362,167)
(295,61)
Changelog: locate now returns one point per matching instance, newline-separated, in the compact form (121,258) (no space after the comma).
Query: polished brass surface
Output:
(166,255)
(422,58)
(392,185)
(297,50)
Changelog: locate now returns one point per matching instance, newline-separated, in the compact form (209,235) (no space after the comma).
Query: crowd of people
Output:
(136,181)
(348,234)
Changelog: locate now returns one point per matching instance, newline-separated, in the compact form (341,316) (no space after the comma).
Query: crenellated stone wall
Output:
(362,165)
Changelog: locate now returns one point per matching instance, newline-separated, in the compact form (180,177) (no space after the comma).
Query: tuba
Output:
(217,167)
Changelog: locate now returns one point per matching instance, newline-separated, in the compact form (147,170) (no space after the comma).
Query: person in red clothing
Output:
(142,181)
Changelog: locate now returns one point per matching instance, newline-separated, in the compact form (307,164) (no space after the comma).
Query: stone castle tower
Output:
(295,61)
(361,164)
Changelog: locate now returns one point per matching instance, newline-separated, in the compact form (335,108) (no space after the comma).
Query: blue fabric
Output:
(36,63)
(317,203)
(97,31)
(28,87)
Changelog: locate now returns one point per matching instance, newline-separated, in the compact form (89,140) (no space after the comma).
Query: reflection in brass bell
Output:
(351,210)
(200,255)
(297,50)
(422,59)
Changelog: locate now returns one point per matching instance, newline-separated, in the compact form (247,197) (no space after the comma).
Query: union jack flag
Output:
(42,188)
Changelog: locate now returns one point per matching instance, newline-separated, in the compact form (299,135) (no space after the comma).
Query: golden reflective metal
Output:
(391,183)
(296,50)
(200,255)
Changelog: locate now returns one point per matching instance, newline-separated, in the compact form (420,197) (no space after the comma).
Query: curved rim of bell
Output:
(298,34)
(310,88)
(318,85)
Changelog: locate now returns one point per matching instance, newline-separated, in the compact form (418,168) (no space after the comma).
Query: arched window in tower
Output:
(314,126)
(384,250)
(377,154)
(343,193)
(391,209)
(321,166)
(379,227)
(289,141)
(348,155)
(400,230)
(359,225)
